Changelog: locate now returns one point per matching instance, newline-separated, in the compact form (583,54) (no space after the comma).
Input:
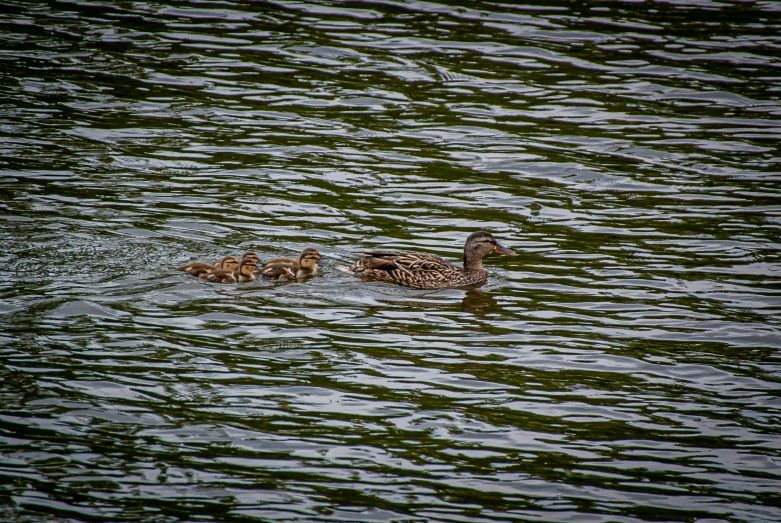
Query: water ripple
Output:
(623,367)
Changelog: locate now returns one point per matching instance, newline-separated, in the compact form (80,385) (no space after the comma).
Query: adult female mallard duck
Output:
(201,269)
(292,268)
(242,273)
(427,271)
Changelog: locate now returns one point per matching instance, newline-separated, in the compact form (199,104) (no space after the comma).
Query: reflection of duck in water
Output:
(292,268)
(201,269)
(474,302)
(478,303)
(427,271)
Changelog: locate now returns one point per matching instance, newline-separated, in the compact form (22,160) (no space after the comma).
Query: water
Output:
(624,367)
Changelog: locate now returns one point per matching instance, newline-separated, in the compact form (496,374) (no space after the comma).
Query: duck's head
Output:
(478,245)
(252,256)
(229,263)
(309,258)
(246,266)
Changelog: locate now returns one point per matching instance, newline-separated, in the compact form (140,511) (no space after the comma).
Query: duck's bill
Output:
(501,249)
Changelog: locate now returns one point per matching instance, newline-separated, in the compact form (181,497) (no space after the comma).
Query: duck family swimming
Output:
(413,269)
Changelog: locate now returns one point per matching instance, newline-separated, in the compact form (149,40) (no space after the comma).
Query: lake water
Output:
(625,366)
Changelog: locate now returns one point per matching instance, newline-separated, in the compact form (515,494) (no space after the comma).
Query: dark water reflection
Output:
(623,367)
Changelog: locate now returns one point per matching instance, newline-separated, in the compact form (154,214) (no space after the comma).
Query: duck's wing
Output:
(377,260)
(402,261)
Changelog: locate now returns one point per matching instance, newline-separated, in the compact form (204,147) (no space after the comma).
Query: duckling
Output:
(246,270)
(228,263)
(291,268)
(427,271)
(200,269)
(248,254)
(241,273)
(251,255)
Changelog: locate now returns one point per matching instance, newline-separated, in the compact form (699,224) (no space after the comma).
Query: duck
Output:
(243,272)
(200,269)
(291,268)
(428,271)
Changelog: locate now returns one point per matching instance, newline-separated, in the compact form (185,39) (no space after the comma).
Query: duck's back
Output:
(196,268)
(280,268)
(415,269)
(221,276)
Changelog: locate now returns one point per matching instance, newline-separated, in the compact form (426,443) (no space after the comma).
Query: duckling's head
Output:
(246,266)
(309,258)
(478,245)
(229,263)
(251,255)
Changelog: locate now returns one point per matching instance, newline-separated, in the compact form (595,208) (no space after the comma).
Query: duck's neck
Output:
(307,271)
(472,264)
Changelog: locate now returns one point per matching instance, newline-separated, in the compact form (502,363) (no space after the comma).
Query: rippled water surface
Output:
(624,367)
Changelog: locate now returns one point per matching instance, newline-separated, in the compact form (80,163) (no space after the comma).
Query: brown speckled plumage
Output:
(428,271)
